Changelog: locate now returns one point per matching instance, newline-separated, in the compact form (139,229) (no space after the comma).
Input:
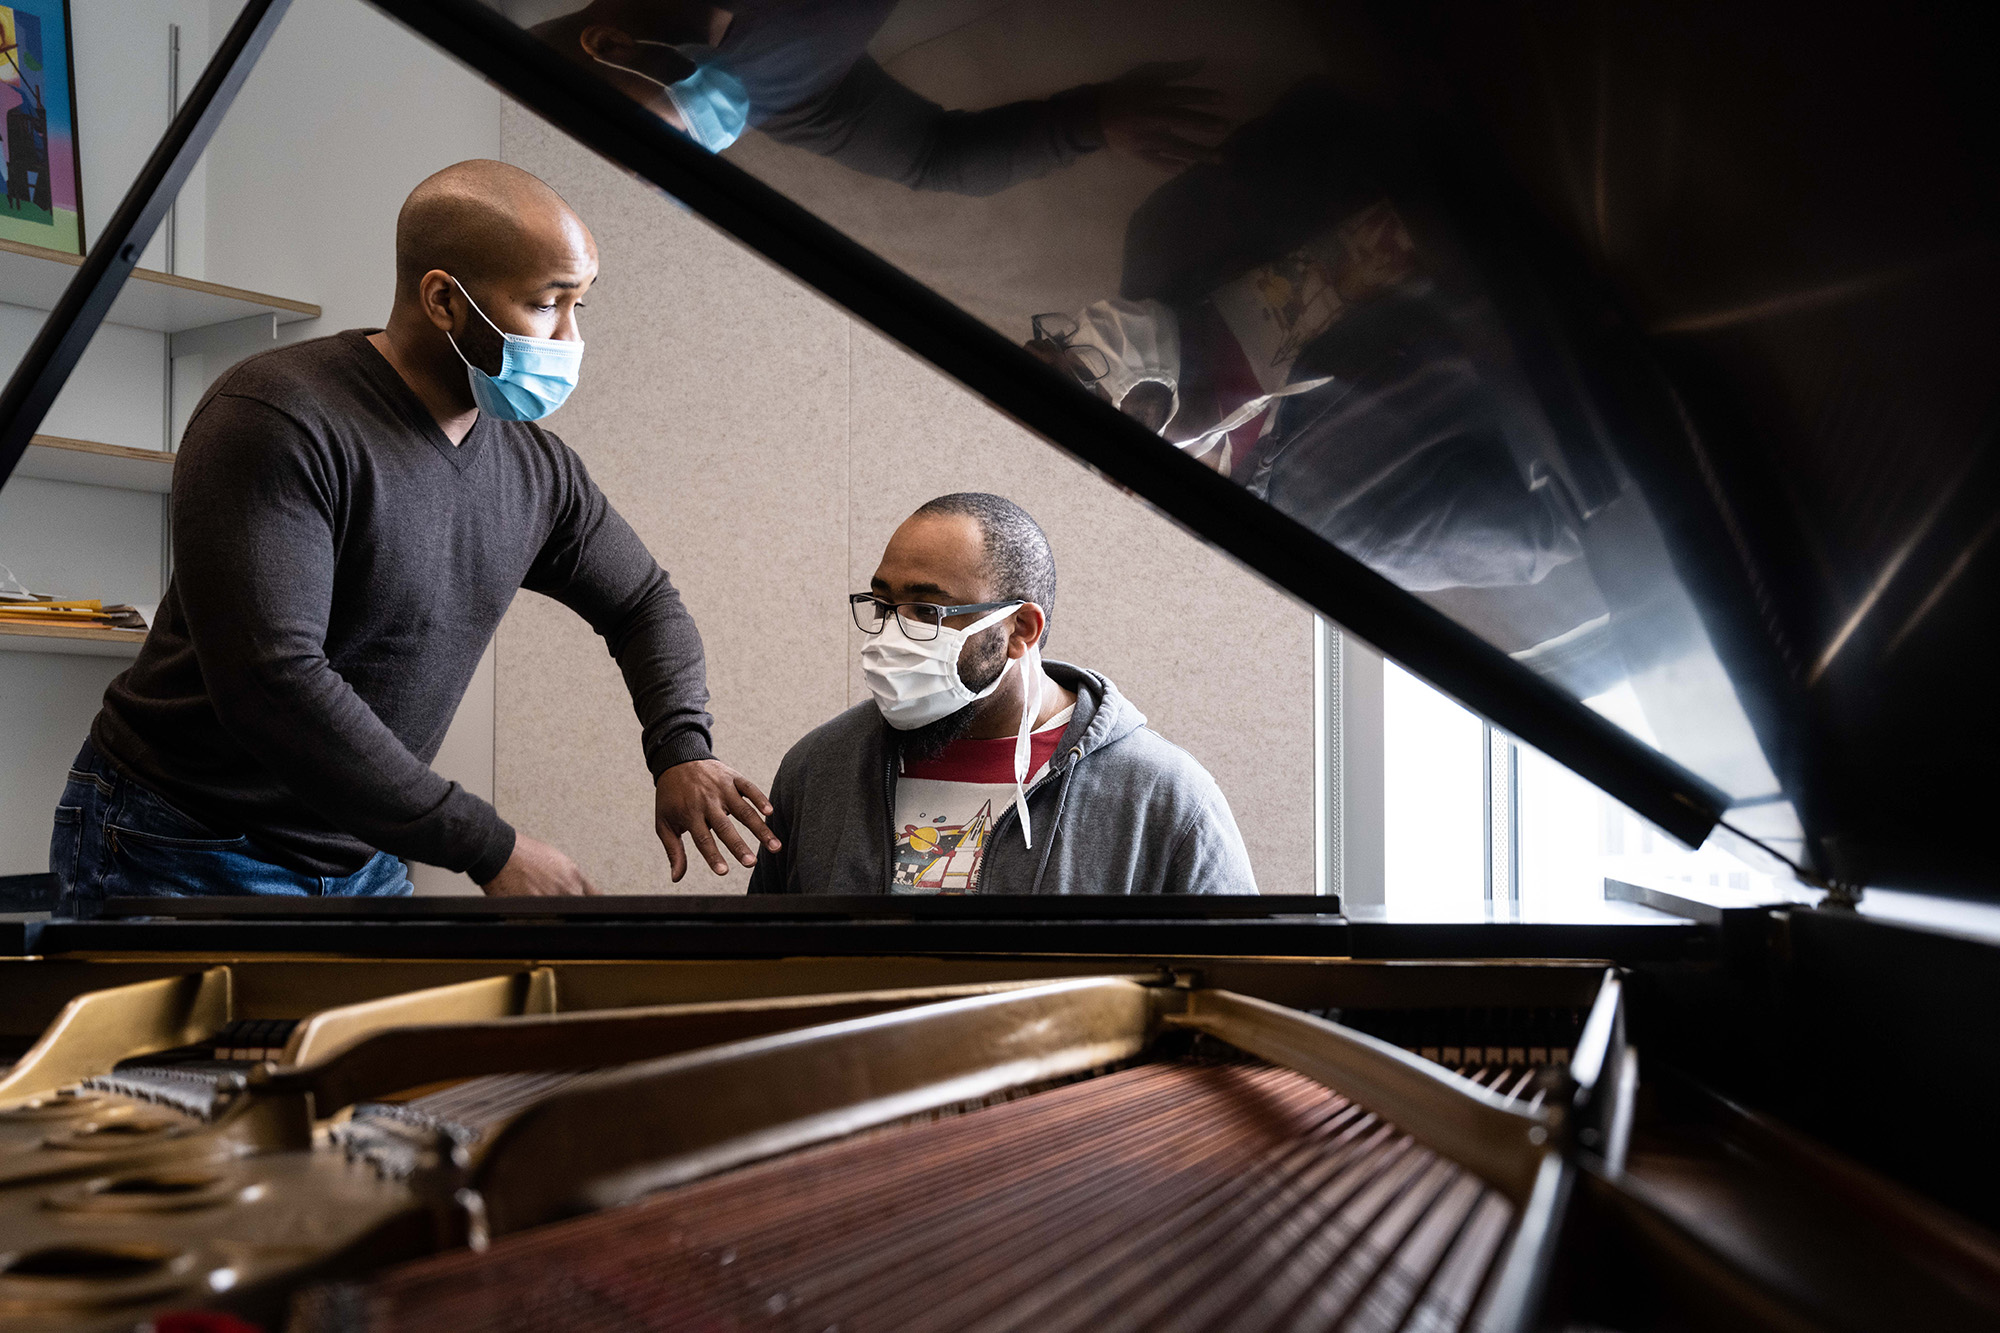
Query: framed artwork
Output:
(38,151)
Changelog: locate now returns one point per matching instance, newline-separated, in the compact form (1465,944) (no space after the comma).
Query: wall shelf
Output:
(72,640)
(53,458)
(34,276)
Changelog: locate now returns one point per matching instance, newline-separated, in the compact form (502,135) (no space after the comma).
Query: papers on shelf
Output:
(84,612)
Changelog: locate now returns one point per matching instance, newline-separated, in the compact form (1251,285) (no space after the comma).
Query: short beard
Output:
(929,741)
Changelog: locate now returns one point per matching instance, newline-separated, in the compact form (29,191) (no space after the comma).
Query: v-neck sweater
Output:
(339,568)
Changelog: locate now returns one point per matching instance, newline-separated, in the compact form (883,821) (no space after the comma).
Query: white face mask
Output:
(915,682)
(1140,340)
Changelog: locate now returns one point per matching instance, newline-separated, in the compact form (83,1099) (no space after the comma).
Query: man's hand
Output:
(698,798)
(537,870)
(1148,113)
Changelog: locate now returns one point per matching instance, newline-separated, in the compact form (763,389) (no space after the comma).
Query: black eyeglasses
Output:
(1088,364)
(920,619)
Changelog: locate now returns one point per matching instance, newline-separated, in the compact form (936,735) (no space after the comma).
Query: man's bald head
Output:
(482,222)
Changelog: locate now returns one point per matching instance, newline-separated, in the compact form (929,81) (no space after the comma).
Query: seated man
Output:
(978,767)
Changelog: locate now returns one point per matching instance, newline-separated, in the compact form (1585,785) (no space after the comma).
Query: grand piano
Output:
(1560,354)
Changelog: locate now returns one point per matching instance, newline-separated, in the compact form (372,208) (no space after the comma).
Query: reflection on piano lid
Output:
(1647,351)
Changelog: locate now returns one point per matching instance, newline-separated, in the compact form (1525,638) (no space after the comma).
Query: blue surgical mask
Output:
(713,102)
(536,374)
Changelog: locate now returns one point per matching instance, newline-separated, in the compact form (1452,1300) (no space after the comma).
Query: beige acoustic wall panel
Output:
(713,412)
(764,446)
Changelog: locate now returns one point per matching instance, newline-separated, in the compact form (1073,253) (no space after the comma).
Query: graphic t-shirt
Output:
(946,807)
(1271,313)
(1277,308)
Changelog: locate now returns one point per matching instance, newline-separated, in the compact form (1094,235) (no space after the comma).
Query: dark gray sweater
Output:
(1121,811)
(339,569)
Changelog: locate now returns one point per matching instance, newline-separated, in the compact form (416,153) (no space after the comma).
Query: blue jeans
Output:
(116,839)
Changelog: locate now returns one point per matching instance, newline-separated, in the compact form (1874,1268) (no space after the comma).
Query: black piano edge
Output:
(728,906)
(735,926)
(1683,923)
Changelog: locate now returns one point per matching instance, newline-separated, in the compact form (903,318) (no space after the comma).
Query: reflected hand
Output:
(1148,113)
(537,870)
(699,798)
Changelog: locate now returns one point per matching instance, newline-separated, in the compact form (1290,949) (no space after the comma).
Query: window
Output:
(1434,803)
(1467,822)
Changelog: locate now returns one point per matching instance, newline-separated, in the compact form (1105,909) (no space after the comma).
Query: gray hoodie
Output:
(1120,811)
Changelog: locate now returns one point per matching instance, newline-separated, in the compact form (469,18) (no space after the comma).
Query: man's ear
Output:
(1025,630)
(602,41)
(437,296)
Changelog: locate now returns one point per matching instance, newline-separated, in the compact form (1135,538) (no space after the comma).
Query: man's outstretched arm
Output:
(876,125)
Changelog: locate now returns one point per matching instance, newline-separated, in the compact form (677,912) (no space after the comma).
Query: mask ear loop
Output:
(667,88)
(489,324)
(639,74)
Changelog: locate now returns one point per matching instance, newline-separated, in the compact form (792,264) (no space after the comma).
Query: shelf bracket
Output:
(239,337)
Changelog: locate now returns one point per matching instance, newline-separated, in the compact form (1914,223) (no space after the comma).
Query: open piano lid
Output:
(1631,373)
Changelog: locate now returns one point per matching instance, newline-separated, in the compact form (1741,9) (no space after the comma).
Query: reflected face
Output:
(631,46)
(1149,403)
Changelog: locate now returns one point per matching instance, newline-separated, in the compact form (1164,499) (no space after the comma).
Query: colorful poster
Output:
(38,153)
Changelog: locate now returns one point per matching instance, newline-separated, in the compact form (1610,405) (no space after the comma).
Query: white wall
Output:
(297,197)
(121,107)
(345,112)
(35,687)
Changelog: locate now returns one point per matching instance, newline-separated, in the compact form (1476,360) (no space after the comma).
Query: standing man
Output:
(352,516)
